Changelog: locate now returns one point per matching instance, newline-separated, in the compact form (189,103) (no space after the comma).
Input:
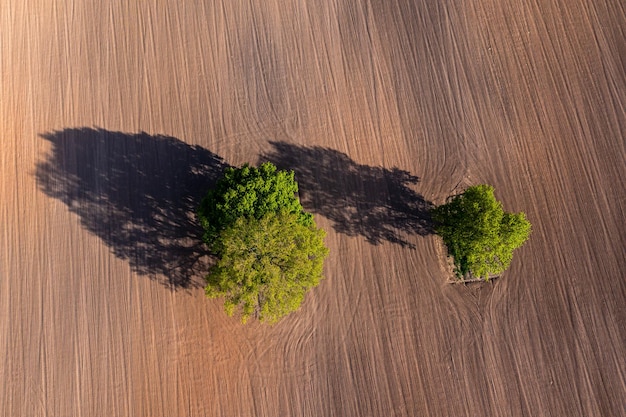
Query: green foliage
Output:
(270,250)
(267,265)
(479,234)
(249,192)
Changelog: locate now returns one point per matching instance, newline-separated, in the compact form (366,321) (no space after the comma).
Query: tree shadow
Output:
(373,202)
(138,193)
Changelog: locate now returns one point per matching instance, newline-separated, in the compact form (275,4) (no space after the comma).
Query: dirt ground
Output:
(115,116)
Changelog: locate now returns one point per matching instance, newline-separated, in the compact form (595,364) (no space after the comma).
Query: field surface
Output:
(115,117)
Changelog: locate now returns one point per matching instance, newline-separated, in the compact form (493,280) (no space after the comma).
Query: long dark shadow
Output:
(136,192)
(374,202)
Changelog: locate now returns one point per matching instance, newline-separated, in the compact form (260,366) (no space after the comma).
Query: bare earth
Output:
(116,115)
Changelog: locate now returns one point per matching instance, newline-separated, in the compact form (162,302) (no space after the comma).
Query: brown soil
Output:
(115,115)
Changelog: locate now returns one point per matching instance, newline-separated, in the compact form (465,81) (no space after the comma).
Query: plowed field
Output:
(115,117)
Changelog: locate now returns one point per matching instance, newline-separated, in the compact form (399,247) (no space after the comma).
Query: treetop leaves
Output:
(249,192)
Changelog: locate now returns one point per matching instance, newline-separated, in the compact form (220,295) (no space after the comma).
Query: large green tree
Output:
(266,266)
(269,250)
(479,234)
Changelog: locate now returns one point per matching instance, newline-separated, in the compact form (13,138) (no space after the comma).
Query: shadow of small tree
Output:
(373,202)
(138,193)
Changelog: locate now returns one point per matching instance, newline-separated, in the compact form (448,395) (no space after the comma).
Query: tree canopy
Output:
(249,192)
(266,266)
(479,234)
(270,252)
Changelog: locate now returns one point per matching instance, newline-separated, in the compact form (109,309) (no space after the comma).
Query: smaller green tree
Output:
(266,266)
(478,233)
